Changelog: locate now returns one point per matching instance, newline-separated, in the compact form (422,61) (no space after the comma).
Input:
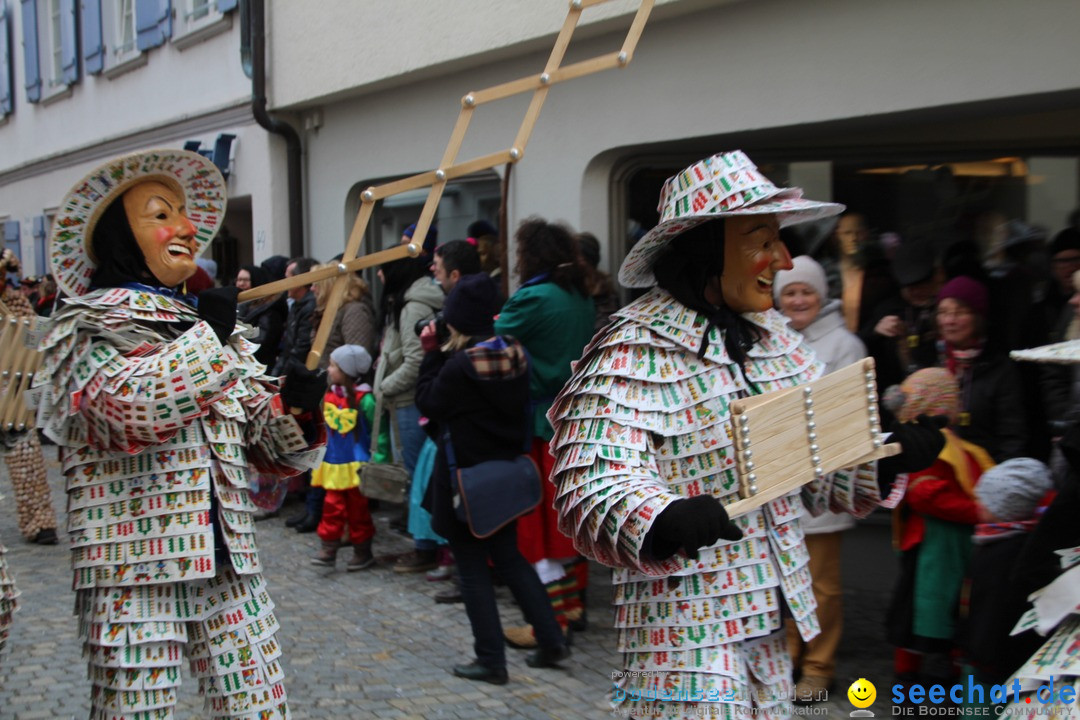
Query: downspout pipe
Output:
(257,20)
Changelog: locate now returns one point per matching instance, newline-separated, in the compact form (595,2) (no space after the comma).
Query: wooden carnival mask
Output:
(753,254)
(158,218)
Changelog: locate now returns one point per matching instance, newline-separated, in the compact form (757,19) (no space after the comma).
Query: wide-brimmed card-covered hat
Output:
(724,185)
(199,180)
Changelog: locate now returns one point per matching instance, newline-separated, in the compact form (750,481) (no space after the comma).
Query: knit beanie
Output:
(1012,490)
(353,360)
(471,306)
(804,270)
(930,391)
(430,240)
(968,291)
(1067,239)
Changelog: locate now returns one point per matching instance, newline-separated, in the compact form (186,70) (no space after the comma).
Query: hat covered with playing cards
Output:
(724,185)
(196,177)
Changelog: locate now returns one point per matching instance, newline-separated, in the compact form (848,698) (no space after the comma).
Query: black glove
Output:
(689,524)
(217,306)
(303,388)
(922,441)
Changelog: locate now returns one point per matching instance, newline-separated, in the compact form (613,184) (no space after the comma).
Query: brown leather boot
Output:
(361,558)
(327,554)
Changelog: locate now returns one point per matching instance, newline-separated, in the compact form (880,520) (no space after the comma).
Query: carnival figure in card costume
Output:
(644,453)
(160,412)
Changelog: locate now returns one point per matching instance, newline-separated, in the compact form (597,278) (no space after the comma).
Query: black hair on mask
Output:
(693,259)
(119,259)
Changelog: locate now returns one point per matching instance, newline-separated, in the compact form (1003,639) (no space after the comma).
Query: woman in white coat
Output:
(801,294)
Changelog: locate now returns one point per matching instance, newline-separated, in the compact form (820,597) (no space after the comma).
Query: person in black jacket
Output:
(267,315)
(297,338)
(475,388)
(993,413)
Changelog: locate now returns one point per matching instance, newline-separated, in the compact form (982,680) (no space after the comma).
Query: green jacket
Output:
(554,326)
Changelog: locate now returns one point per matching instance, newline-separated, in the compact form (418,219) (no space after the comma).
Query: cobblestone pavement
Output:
(373,644)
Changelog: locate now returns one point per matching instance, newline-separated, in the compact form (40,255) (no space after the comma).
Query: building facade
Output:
(85,80)
(921,114)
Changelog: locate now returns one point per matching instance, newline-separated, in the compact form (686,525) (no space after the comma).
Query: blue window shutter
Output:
(69,43)
(153,22)
(92,41)
(7,96)
(11,237)
(41,245)
(226,5)
(32,68)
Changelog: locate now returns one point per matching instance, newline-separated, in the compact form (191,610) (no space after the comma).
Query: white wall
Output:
(367,44)
(729,68)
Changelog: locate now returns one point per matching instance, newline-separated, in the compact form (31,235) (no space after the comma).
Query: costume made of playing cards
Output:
(158,422)
(644,422)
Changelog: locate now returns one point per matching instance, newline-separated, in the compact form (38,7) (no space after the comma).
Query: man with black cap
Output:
(901,334)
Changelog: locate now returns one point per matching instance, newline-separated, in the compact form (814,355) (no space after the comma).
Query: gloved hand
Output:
(303,388)
(922,441)
(689,525)
(217,306)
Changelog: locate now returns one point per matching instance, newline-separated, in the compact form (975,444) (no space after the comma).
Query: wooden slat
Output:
(378,258)
(636,28)
(485,162)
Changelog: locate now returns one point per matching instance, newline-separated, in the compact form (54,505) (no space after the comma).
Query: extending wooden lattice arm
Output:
(554,72)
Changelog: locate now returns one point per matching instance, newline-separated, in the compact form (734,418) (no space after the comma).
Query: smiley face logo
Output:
(862,693)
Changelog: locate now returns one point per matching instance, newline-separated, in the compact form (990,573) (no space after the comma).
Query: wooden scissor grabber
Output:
(449,168)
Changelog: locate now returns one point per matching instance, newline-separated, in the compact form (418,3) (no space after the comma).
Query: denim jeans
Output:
(411,436)
(472,560)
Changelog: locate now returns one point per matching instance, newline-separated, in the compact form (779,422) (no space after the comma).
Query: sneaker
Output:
(416,561)
(812,689)
(443,572)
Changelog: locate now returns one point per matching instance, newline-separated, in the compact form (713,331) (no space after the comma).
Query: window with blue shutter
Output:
(69,43)
(11,238)
(153,22)
(225,6)
(7,99)
(93,42)
(31,66)
(41,245)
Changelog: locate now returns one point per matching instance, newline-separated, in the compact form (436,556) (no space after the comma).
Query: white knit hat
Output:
(804,270)
(1013,489)
(353,360)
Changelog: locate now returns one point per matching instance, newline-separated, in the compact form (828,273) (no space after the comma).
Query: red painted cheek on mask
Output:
(165,234)
(760,266)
